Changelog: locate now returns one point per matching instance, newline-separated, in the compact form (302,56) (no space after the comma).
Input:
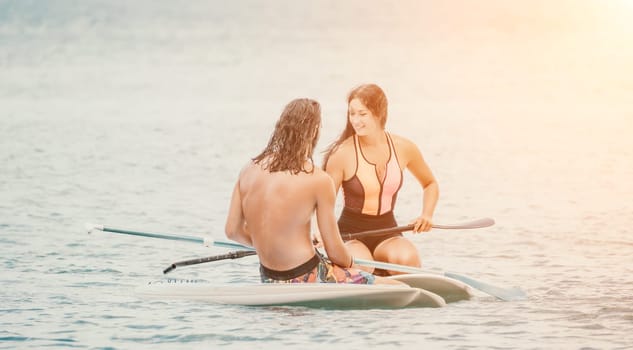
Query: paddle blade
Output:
(479,223)
(505,294)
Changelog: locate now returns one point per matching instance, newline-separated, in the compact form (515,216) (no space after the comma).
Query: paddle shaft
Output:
(231,255)
(479,223)
(167,236)
(383,231)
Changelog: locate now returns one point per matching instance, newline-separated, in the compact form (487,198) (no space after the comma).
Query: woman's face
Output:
(362,119)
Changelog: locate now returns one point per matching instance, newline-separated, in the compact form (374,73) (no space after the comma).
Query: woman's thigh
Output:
(397,250)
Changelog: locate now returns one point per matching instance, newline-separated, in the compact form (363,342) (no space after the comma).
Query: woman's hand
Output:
(423,223)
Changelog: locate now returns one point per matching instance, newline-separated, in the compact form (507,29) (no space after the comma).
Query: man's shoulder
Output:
(318,176)
(248,168)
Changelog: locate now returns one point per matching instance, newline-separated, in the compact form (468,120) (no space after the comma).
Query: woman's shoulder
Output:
(348,142)
(343,148)
(401,141)
(405,148)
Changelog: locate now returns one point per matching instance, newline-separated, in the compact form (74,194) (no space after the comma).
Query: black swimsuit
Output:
(352,222)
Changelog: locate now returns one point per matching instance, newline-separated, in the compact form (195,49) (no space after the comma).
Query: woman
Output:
(367,162)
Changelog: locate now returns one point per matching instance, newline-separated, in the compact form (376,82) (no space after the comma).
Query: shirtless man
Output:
(274,199)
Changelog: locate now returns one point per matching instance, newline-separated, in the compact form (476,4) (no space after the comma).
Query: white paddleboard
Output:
(450,289)
(322,295)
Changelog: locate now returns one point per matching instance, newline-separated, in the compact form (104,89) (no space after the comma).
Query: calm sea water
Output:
(140,114)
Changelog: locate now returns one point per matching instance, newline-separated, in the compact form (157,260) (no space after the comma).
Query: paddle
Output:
(501,293)
(232,255)
(479,223)
(485,222)
(505,294)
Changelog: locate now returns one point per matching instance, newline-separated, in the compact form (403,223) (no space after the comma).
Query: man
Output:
(274,199)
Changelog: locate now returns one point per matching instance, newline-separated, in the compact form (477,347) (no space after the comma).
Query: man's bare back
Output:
(278,207)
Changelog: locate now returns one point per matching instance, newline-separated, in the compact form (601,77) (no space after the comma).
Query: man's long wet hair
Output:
(372,96)
(294,139)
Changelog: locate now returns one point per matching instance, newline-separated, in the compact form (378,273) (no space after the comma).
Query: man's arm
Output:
(235,221)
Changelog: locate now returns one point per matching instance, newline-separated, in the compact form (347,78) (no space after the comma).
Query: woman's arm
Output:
(336,174)
(335,166)
(421,171)
(336,170)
